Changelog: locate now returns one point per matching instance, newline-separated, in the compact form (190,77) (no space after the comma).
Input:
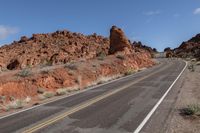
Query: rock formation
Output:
(138,46)
(118,41)
(190,48)
(52,48)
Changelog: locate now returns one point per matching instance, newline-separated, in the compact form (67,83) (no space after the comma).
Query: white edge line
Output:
(138,129)
(87,89)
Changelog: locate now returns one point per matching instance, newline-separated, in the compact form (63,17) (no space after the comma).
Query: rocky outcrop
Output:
(190,48)
(118,41)
(52,48)
(138,46)
(61,47)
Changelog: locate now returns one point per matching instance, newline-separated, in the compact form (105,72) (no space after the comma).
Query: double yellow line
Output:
(84,105)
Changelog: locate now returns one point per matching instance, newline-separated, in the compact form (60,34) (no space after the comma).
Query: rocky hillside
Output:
(53,48)
(84,61)
(139,46)
(62,47)
(188,49)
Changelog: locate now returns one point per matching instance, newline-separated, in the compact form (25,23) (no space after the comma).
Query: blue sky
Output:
(158,23)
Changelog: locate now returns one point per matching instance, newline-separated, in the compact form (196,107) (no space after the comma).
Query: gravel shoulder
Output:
(189,94)
(167,118)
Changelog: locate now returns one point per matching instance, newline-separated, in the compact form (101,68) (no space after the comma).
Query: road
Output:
(116,107)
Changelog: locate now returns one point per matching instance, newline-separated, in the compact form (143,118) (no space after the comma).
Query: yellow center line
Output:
(84,105)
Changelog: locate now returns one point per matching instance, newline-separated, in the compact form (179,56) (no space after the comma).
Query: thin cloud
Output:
(196,11)
(5,31)
(151,13)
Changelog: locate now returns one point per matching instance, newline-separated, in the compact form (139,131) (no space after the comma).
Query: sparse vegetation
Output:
(101,56)
(41,90)
(78,80)
(24,73)
(46,71)
(193,109)
(61,91)
(49,63)
(48,94)
(119,56)
(191,68)
(2,99)
(27,99)
(71,66)
(129,71)
(16,104)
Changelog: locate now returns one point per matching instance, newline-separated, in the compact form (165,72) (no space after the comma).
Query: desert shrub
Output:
(129,71)
(71,73)
(193,109)
(46,71)
(48,94)
(6,108)
(61,91)
(24,73)
(48,63)
(71,66)
(40,90)
(16,104)
(12,98)
(101,56)
(191,68)
(27,99)
(41,97)
(93,65)
(120,57)
(3,98)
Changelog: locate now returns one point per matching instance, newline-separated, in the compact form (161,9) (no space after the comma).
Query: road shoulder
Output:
(167,118)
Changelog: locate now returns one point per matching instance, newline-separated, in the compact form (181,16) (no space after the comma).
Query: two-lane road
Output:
(116,107)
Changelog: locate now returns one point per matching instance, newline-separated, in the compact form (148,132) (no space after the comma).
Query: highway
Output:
(119,106)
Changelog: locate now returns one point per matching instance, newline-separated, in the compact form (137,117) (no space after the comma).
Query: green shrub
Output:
(193,109)
(24,73)
(129,72)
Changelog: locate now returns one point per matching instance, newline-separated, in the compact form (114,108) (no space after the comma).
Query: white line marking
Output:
(158,103)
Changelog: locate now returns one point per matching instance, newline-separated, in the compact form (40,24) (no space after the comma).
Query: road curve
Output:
(117,107)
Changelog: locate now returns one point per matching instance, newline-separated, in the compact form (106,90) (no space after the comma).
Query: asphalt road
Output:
(117,107)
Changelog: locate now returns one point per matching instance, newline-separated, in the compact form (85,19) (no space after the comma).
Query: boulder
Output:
(118,41)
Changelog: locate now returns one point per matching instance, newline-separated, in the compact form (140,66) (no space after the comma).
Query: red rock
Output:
(58,47)
(118,41)
(190,48)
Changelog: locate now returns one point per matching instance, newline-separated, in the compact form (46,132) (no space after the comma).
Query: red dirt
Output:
(62,47)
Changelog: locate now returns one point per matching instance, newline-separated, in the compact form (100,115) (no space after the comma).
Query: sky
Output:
(157,23)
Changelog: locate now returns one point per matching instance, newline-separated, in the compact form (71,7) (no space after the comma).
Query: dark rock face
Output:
(138,46)
(118,40)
